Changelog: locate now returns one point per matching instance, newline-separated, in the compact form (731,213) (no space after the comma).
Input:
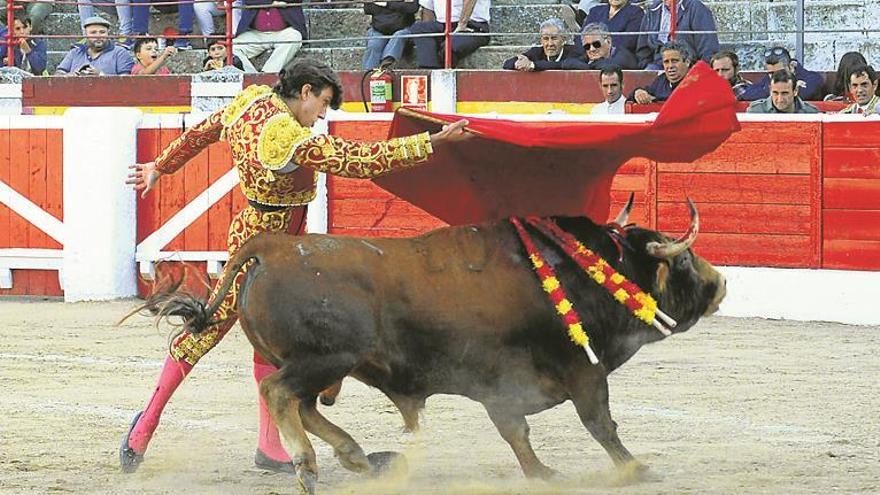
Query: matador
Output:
(278,158)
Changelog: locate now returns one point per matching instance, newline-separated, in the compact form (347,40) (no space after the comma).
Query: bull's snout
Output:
(720,292)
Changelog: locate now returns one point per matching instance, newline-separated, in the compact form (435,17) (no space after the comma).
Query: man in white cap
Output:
(98,56)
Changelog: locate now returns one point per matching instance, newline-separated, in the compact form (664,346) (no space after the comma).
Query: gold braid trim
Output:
(243,101)
(277,142)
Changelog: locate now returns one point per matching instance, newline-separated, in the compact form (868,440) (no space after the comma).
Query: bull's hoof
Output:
(266,463)
(387,462)
(305,480)
(327,400)
(543,472)
(634,472)
(129,460)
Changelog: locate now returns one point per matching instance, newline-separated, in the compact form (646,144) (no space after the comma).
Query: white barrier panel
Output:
(100,216)
(803,295)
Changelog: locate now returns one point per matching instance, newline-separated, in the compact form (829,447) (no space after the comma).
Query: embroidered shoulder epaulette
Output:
(278,140)
(243,101)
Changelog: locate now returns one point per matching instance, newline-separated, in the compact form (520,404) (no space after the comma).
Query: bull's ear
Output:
(662,276)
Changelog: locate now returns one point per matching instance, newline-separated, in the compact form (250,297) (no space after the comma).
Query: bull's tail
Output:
(197,314)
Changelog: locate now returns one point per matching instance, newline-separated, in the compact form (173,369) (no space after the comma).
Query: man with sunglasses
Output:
(554,50)
(777,58)
(600,52)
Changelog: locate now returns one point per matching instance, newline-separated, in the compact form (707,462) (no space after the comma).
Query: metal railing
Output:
(11,40)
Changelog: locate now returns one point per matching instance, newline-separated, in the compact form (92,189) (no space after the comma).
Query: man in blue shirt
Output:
(691,15)
(99,56)
(677,61)
(29,53)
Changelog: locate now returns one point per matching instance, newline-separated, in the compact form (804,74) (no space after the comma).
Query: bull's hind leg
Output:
(349,453)
(589,393)
(284,405)
(515,431)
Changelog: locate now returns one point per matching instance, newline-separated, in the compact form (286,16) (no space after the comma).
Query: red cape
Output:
(556,168)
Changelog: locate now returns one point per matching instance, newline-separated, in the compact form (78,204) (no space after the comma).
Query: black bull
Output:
(456,311)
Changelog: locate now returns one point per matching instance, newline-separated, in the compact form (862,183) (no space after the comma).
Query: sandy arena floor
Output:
(733,406)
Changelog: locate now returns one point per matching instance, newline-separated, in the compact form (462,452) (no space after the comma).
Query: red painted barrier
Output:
(778,194)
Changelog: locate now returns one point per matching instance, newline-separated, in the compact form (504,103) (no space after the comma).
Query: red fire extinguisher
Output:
(380,91)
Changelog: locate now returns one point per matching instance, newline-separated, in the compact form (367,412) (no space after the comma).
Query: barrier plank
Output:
(356,189)
(148,215)
(37,194)
(852,194)
(855,134)
(738,218)
(845,254)
(851,163)
(754,158)
(789,251)
(54,178)
(220,214)
(195,181)
(5,170)
(173,189)
(859,225)
(392,214)
(734,188)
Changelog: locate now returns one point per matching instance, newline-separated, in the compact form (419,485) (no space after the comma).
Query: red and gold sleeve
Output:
(334,155)
(190,143)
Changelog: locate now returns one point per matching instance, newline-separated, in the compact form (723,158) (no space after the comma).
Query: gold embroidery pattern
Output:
(243,102)
(190,144)
(279,139)
(334,155)
(258,183)
(246,224)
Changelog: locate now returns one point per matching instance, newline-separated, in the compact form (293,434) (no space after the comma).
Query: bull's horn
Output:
(623,216)
(674,248)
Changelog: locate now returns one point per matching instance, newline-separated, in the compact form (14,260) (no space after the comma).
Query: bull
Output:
(456,311)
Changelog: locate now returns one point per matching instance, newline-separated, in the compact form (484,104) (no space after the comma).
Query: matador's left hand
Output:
(452,133)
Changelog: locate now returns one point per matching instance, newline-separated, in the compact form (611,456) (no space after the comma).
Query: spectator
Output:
(216,58)
(726,64)
(30,53)
(123,13)
(677,60)
(692,15)
(611,82)
(388,19)
(554,50)
(467,16)
(279,29)
(862,87)
(205,12)
(783,96)
(619,16)
(141,21)
(98,56)
(149,60)
(840,91)
(600,52)
(776,58)
(37,12)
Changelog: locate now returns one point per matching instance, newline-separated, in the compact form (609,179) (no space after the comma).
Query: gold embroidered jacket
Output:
(265,138)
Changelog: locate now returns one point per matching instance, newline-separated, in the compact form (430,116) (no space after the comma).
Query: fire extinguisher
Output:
(381,98)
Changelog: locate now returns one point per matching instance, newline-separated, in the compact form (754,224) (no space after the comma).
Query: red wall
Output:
(762,197)
(30,163)
(851,190)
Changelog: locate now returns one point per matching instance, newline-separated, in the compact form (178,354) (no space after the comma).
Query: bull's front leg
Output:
(515,431)
(589,393)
